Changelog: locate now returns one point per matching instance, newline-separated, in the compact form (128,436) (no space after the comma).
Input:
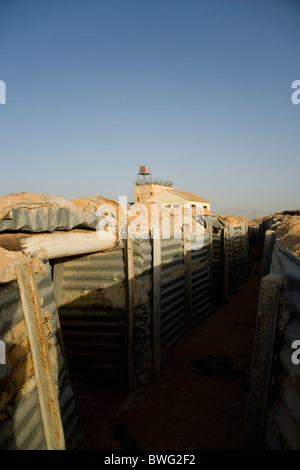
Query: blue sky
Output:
(199,90)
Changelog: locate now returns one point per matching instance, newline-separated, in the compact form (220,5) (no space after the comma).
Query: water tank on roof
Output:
(144,170)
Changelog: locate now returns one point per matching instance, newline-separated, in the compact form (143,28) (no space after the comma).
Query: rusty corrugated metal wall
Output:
(201,286)
(173,316)
(142,258)
(237,255)
(21,425)
(90,293)
(218,265)
(47,219)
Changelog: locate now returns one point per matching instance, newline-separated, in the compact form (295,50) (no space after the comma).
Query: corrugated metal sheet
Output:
(237,256)
(257,232)
(255,235)
(245,241)
(91,299)
(173,317)
(22,428)
(201,288)
(90,293)
(238,268)
(142,257)
(266,225)
(48,219)
(229,264)
(173,291)
(21,424)
(218,266)
(207,265)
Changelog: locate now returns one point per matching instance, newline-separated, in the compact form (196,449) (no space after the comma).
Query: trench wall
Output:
(21,424)
(91,296)
(273,415)
(86,320)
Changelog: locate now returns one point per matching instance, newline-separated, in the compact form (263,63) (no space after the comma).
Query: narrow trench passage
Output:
(200,401)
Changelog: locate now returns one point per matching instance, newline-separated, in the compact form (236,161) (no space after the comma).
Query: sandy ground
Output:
(200,401)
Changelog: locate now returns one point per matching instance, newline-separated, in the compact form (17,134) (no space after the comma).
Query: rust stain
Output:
(28,288)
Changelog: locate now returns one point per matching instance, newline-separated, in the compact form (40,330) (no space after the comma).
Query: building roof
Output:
(189,196)
(207,212)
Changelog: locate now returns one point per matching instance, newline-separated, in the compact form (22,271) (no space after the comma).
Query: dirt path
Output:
(200,402)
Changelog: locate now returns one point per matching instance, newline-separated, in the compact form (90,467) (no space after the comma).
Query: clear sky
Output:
(199,90)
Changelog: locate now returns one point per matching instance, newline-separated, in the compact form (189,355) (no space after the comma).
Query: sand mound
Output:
(91,203)
(32,200)
(289,234)
(232,220)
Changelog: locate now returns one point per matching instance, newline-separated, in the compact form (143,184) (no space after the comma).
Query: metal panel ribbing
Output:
(173,317)
(142,258)
(21,420)
(238,268)
(217,240)
(90,293)
(48,219)
(255,235)
(230,251)
(201,289)
(237,256)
